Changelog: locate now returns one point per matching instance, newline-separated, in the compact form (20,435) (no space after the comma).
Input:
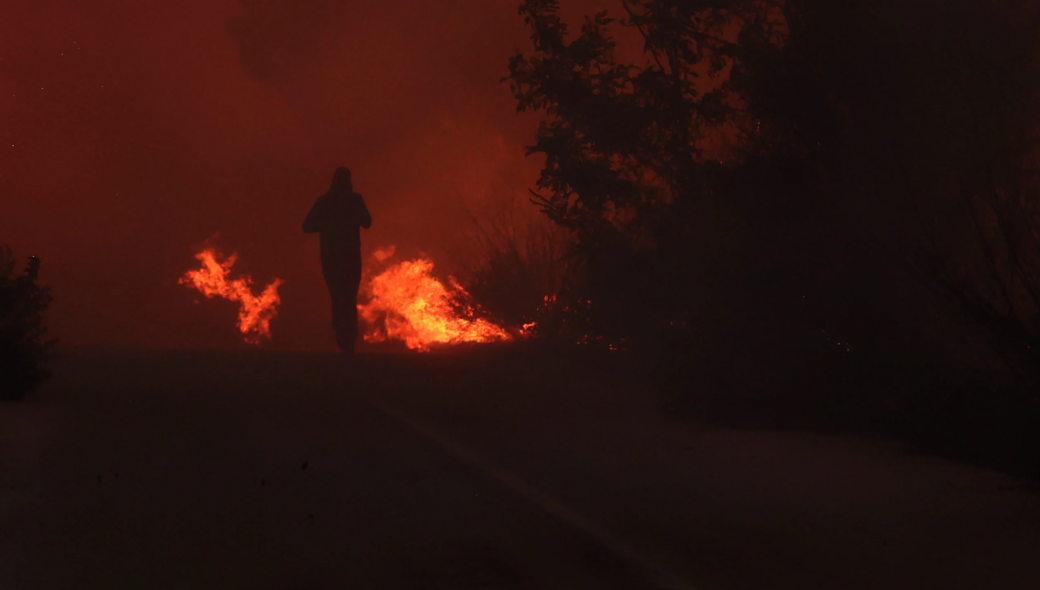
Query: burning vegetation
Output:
(406,302)
(256,311)
(402,300)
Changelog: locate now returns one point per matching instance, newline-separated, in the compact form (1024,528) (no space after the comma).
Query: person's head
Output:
(341,180)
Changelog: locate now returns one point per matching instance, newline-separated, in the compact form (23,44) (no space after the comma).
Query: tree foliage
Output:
(784,130)
(636,154)
(762,177)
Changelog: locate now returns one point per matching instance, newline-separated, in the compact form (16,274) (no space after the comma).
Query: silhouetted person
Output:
(338,216)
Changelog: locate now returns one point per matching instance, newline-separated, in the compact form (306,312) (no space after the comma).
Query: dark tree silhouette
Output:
(976,191)
(647,163)
(760,140)
(758,179)
(23,343)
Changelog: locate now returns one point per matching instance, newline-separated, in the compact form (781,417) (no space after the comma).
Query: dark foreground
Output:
(197,470)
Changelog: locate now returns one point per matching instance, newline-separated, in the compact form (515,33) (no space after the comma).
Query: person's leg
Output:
(344,318)
(351,300)
(343,283)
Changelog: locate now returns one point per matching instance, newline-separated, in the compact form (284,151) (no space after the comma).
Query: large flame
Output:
(256,311)
(406,303)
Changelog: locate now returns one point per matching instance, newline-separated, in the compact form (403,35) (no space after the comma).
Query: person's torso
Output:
(340,237)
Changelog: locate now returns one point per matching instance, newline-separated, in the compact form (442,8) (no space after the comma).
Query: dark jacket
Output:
(338,217)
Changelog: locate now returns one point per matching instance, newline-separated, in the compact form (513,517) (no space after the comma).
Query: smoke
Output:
(132,132)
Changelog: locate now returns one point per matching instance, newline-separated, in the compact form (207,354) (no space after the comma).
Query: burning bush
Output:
(23,348)
(404,301)
(255,311)
(512,267)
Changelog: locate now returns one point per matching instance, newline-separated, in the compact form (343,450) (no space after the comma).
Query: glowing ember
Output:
(405,302)
(256,312)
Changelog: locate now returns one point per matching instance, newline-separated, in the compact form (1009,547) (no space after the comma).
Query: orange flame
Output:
(256,312)
(405,302)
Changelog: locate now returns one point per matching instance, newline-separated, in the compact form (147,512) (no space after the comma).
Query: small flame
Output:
(405,302)
(382,254)
(256,312)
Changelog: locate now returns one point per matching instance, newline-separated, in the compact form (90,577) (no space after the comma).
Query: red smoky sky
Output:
(135,131)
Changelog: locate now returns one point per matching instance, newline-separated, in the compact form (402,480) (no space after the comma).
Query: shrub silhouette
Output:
(513,265)
(23,343)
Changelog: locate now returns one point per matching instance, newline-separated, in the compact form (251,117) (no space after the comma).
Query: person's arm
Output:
(364,217)
(314,220)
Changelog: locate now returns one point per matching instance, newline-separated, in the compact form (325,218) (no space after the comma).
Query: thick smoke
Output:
(136,131)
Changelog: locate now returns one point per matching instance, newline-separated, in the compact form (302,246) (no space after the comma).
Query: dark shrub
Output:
(514,265)
(23,347)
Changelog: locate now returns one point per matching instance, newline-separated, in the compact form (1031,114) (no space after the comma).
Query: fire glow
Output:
(256,311)
(406,302)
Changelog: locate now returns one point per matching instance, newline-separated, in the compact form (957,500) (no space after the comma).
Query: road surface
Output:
(276,470)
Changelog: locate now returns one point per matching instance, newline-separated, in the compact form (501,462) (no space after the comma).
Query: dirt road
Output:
(268,470)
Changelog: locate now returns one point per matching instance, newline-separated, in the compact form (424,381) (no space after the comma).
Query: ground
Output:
(496,469)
